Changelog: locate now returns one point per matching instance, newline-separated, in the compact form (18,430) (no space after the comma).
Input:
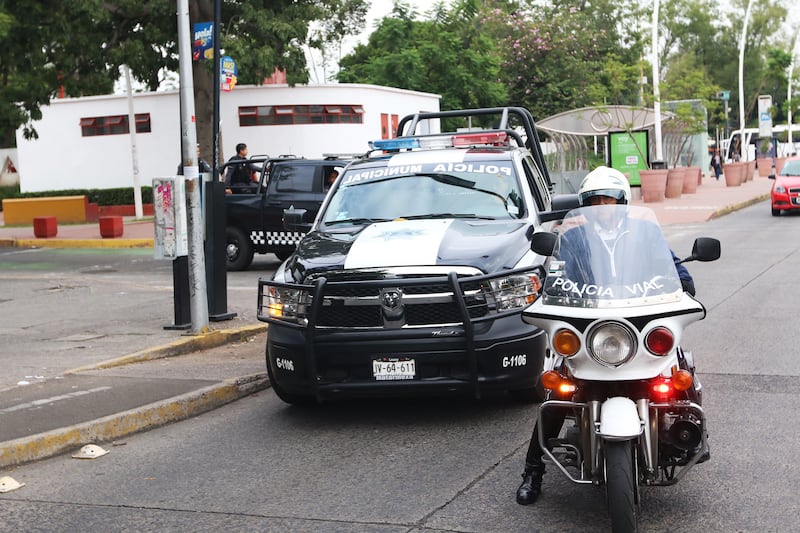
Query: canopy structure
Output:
(572,138)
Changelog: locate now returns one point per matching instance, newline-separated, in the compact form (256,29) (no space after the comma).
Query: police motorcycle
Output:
(616,372)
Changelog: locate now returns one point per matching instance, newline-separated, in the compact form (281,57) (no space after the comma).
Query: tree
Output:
(449,55)
(43,52)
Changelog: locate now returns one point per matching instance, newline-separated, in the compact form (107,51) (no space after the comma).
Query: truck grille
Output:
(397,298)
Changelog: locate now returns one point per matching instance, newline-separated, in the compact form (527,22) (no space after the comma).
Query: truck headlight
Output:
(287,304)
(513,292)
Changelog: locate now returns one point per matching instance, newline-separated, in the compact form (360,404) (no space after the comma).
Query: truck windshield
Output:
(372,195)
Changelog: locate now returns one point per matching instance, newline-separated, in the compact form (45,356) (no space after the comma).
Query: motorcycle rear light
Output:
(659,341)
(552,380)
(682,380)
(566,343)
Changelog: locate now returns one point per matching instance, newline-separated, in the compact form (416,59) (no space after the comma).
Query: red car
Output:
(786,189)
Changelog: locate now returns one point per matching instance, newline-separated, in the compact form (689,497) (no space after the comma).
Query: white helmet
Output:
(605,181)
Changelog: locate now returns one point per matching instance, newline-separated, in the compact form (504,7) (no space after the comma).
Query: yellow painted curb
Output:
(50,443)
(735,207)
(83,243)
(189,344)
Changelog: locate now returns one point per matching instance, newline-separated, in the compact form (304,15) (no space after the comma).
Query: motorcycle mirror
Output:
(705,249)
(543,242)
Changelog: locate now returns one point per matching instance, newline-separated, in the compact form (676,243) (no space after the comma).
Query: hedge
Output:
(119,196)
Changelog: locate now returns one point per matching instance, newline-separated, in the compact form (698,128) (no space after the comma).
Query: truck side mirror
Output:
(543,242)
(294,220)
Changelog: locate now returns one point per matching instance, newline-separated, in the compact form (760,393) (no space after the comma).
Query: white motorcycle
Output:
(615,311)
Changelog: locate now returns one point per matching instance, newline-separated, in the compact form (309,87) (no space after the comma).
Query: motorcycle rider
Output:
(602,186)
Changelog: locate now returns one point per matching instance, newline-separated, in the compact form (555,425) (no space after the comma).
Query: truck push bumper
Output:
(507,356)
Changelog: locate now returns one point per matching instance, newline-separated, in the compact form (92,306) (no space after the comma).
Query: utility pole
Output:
(743,143)
(198,300)
(137,187)
(659,161)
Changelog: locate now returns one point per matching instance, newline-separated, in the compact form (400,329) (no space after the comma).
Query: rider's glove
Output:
(688,286)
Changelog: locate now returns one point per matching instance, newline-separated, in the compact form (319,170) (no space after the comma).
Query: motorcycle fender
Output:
(619,419)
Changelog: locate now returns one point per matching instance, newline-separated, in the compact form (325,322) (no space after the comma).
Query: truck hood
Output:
(484,244)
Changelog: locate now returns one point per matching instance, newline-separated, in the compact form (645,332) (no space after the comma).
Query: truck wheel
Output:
(239,249)
(283,255)
(293,399)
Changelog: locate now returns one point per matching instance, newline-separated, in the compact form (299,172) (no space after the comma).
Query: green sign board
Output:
(629,153)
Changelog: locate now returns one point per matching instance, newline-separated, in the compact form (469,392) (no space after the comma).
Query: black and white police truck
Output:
(413,276)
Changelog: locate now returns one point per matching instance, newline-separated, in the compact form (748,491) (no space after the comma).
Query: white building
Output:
(84,143)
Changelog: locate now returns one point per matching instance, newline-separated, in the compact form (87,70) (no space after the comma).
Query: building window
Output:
(300,114)
(114,125)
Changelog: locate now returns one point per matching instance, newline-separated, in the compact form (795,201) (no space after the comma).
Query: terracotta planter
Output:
(751,170)
(654,184)
(674,182)
(764,167)
(733,173)
(691,179)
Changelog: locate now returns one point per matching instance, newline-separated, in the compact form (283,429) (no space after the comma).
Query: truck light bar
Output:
(499,138)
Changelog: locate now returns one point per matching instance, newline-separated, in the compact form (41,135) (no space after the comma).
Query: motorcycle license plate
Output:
(389,369)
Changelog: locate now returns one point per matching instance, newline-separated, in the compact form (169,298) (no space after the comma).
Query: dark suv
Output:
(413,277)
(254,213)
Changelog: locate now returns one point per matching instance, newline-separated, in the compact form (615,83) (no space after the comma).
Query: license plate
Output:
(388,369)
(796,200)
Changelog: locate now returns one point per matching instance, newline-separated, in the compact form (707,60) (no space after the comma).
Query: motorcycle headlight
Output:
(287,304)
(611,344)
(513,292)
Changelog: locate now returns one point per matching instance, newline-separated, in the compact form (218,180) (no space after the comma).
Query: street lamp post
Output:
(656,90)
(789,96)
(742,144)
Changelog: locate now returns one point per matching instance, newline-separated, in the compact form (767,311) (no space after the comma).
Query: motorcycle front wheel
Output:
(621,486)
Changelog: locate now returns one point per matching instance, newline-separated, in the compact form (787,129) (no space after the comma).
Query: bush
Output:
(119,196)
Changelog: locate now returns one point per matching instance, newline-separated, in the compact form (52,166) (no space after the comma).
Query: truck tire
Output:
(238,248)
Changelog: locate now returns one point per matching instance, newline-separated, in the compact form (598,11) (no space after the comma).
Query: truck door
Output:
(290,185)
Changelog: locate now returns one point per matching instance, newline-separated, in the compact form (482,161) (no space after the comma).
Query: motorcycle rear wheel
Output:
(621,486)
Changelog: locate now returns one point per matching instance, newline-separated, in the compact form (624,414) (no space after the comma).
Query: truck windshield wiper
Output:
(355,221)
(448,215)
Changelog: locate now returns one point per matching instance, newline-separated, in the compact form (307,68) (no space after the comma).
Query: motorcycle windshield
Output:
(611,256)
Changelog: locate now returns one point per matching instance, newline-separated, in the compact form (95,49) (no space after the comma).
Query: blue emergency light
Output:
(394,144)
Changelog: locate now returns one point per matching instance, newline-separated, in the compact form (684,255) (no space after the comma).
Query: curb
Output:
(190,344)
(735,207)
(78,243)
(57,441)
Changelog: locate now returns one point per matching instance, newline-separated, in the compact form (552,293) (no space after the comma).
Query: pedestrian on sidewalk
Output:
(716,164)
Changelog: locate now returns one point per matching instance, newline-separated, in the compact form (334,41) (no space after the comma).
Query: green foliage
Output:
(449,55)
(118,196)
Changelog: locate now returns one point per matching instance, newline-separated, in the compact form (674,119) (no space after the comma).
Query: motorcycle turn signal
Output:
(552,380)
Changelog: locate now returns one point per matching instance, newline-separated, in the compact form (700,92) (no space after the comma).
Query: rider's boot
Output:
(531,486)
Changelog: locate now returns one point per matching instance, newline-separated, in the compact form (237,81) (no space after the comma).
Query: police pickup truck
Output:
(254,213)
(413,276)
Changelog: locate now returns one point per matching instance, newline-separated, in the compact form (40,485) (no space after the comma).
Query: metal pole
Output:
(137,187)
(197,272)
(789,96)
(656,90)
(743,144)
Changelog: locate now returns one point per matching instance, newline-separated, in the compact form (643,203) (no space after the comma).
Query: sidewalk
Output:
(102,402)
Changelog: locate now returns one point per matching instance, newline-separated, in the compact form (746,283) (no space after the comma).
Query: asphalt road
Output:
(453,465)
